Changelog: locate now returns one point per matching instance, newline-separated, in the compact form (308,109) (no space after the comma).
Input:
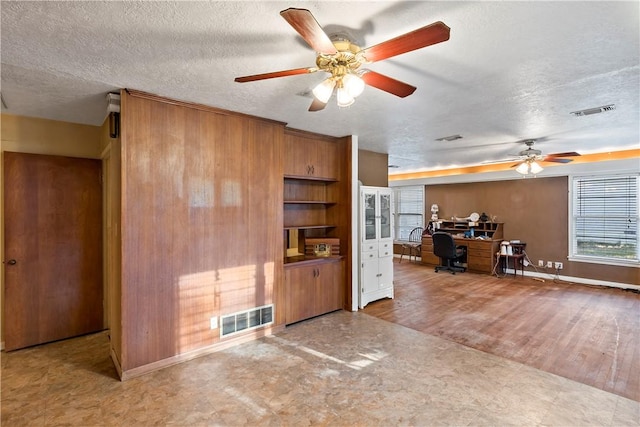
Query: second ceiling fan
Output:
(342,59)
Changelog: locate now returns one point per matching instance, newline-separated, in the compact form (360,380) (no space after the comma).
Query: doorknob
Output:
(11,262)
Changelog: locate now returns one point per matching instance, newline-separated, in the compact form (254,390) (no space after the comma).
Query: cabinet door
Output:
(326,165)
(329,293)
(385,215)
(311,158)
(369,275)
(369,202)
(299,156)
(385,270)
(300,288)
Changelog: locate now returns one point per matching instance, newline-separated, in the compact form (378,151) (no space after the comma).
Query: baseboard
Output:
(183,357)
(116,362)
(581,280)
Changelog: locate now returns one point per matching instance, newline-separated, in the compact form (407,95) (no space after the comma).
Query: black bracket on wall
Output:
(114,125)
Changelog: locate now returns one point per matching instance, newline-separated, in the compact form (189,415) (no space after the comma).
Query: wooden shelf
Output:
(308,227)
(310,178)
(494,230)
(308,202)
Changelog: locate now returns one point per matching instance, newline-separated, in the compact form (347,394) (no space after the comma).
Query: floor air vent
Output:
(245,320)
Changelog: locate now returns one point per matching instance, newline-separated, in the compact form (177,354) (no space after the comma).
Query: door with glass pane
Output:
(369,214)
(385,214)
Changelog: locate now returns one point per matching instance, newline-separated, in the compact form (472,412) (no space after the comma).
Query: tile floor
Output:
(341,369)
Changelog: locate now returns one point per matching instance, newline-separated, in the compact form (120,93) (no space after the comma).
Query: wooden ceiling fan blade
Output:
(417,39)
(306,25)
(387,84)
(557,160)
(284,73)
(567,154)
(317,105)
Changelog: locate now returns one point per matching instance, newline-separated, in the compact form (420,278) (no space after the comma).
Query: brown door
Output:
(53,248)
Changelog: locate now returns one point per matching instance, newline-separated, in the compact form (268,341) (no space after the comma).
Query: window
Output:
(408,210)
(605,219)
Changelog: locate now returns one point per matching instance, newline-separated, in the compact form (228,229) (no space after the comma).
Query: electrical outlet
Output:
(213,322)
(558,265)
(540,263)
(549,264)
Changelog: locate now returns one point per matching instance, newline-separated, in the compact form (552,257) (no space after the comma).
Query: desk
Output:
(480,253)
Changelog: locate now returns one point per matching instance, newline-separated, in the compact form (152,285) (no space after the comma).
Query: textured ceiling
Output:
(510,71)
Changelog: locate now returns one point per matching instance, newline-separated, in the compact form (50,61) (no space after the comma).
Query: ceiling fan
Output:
(530,157)
(342,59)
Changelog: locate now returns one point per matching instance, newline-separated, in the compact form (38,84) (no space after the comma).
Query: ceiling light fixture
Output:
(529,167)
(348,86)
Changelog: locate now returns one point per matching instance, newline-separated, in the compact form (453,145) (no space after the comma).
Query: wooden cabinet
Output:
(313,288)
(316,213)
(312,158)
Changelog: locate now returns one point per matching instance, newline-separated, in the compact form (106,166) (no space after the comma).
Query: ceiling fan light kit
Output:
(528,167)
(530,158)
(342,59)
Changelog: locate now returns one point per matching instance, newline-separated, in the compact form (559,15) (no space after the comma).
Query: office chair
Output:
(414,245)
(445,247)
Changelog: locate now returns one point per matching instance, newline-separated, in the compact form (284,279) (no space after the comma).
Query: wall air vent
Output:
(246,320)
(449,138)
(596,110)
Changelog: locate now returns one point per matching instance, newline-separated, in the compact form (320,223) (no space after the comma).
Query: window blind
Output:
(605,217)
(408,210)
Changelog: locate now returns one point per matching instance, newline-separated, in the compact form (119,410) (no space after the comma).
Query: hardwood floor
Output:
(588,334)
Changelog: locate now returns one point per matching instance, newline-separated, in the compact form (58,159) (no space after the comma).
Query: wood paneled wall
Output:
(202,195)
(534,211)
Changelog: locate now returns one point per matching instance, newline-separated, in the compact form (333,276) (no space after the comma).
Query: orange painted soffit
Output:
(587,158)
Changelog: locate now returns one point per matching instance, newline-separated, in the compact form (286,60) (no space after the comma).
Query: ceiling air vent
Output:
(596,110)
(449,138)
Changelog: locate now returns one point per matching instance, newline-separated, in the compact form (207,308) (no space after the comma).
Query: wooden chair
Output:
(414,245)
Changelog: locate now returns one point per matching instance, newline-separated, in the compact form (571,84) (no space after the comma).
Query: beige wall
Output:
(40,136)
(373,168)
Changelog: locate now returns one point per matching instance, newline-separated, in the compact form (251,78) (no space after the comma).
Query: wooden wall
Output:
(534,211)
(202,196)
